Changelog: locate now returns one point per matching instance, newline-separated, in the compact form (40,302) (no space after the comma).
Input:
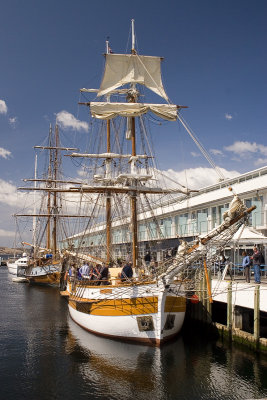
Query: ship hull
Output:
(142,313)
(12,268)
(48,279)
(17,267)
(44,275)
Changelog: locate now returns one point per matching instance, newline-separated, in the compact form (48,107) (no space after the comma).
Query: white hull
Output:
(17,266)
(12,268)
(142,313)
(44,275)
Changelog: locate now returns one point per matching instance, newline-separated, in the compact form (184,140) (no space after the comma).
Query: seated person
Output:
(103,275)
(126,272)
(94,274)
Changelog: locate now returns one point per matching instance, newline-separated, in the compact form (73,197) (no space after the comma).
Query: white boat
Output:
(17,266)
(150,306)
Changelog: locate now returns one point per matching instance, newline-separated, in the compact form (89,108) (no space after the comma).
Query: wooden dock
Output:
(238,311)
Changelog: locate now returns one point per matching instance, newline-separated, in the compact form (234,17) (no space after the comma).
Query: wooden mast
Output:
(133,203)
(55,170)
(108,200)
(108,174)
(133,194)
(49,194)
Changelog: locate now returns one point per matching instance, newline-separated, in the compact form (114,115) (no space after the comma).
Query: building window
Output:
(255,217)
(202,221)
(183,225)
(214,217)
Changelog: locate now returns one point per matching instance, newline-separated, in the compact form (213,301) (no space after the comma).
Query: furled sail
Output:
(121,69)
(106,110)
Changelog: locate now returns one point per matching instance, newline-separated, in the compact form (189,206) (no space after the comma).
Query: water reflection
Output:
(199,370)
(46,356)
(120,368)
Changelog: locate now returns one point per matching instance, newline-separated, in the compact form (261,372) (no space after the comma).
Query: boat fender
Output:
(194,299)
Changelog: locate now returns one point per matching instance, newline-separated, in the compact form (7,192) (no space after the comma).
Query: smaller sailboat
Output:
(45,264)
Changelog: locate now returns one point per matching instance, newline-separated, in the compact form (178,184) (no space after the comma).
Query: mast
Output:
(108,175)
(132,99)
(133,201)
(48,233)
(133,38)
(55,170)
(34,199)
(126,69)
(108,198)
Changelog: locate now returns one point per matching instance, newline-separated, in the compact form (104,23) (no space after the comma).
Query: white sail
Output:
(121,69)
(105,110)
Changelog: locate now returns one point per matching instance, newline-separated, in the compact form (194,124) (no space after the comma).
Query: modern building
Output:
(183,217)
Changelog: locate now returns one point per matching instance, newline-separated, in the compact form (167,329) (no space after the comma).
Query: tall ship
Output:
(46,209)
(122,297)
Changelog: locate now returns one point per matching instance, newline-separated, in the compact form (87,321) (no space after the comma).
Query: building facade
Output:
(183,217)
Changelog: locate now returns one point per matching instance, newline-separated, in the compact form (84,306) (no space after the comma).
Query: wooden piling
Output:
(257,312)
(229,308)
(209,303)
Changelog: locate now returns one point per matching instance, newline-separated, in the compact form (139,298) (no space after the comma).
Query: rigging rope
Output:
(201,148)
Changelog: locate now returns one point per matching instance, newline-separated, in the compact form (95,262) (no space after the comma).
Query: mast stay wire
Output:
(201,148)
(189,131)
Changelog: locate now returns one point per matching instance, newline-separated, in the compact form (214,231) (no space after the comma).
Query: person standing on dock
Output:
(256,264)
(246,265)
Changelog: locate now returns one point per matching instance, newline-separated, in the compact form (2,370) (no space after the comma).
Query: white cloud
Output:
(194,154)
(228,116)
(4,153)
(261,161)
(246,149)
(216,152)
(3,107)
(67,120)
(4,233)
(13,121)
(8,193)
(196,178)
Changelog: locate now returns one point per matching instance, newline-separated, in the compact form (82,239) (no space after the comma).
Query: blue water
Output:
(45,355)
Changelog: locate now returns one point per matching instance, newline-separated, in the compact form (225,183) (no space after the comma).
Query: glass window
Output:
(142,232)
(202,221)
(213,217)
(167,224)
(221,211)
(256,215)
(183,224)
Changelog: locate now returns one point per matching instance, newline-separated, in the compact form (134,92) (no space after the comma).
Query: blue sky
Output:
(215,62)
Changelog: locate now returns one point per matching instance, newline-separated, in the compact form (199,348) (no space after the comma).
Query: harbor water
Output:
(45,355)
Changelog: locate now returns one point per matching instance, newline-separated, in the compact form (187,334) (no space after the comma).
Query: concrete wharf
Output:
(237,310)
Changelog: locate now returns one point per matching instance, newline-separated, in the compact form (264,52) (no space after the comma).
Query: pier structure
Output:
(237,312)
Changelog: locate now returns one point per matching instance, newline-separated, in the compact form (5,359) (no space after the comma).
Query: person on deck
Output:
(147,258)
(73,277)
(126,273)
(256,264)
(84,270)
(222,261)
(103,275)
(246,265)
(94,274)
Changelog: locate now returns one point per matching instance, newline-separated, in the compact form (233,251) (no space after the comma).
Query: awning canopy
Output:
(248,235)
